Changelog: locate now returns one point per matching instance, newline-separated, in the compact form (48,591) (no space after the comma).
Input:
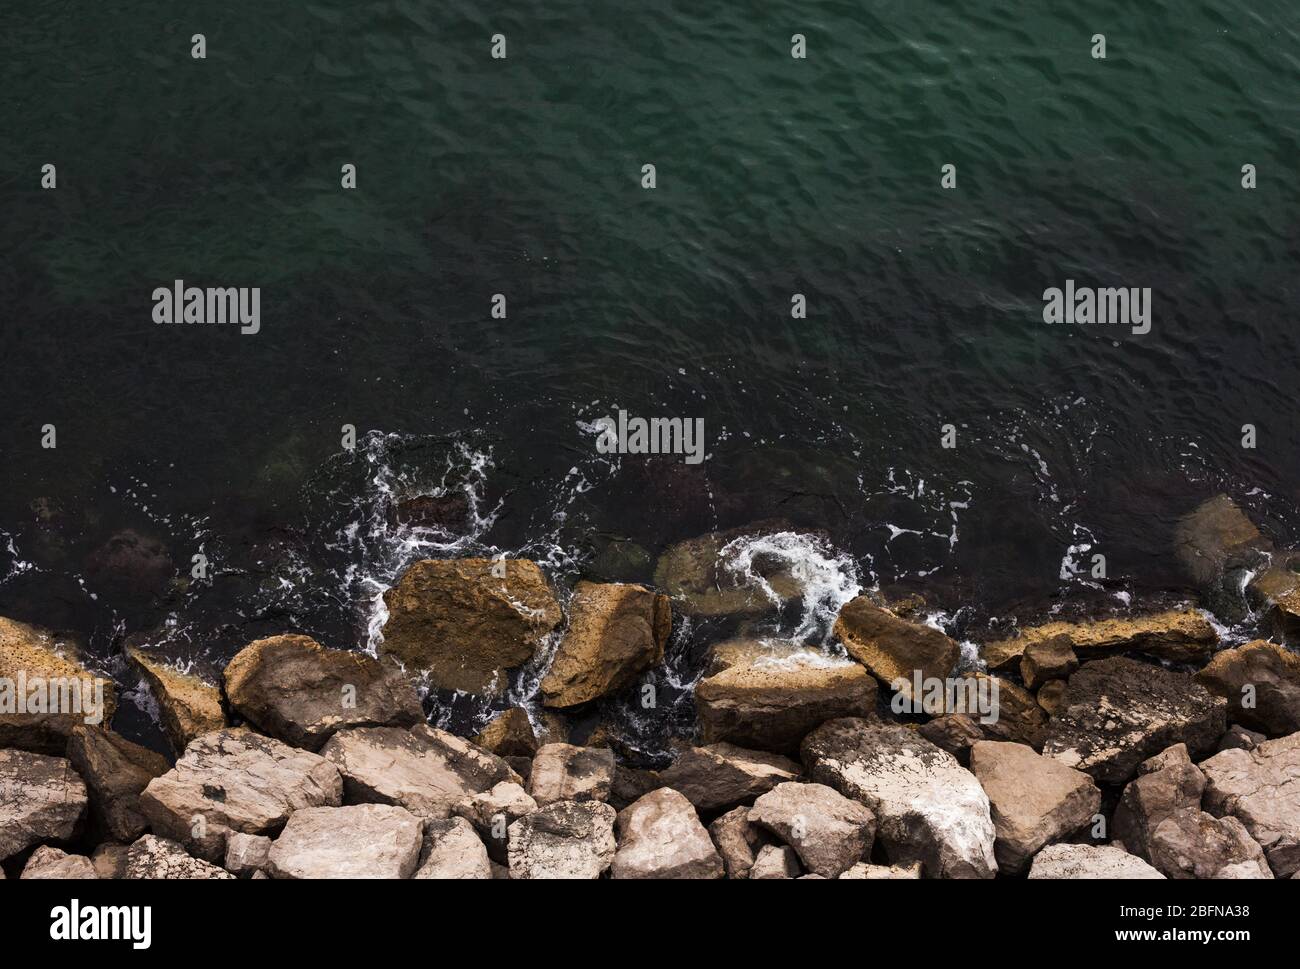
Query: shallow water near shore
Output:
(521,177)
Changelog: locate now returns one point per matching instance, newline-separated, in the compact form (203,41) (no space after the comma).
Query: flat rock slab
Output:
(928,807)
(1179,635)
(116,771)
(160,858)
(830,832)
(356,841)
(1261,789)
(660,836)
(236,780)
(564,772)
(723,775)
(296,690)
(1089,861)
(41,799)
(568,839)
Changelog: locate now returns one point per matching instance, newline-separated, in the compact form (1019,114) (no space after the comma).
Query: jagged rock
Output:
(160,858)
(660,836)
(492,813)
(630,784)
(1261,789)
(774,862)
(1089,861)
(1215,539)
(928,808)
(769,696)
(356,841)
(1239,736)
(722,775)
(615,632)
(1277,589)
(1182,636)
(737,841)
(236,780)
(453,851)
(563,772)
(869,872)
(567,839)
(247,853)
(109,860)
(29,654)
(1051,697)
(829,832)
(955,733)
(695,575)
(425,770)
(894,650)
(511,734)
(1118,712)
(116,771)
(51,863)
(1016,717)
(41,799)
(1159,819)
(1273,672)
(1034,799)
(189,706)
(1047,659)
(466,622)
(298,691)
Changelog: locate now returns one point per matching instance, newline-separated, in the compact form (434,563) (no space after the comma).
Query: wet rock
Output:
(492,812)
(1118,712)
(1216,539)
(1035,800)
(425,770)
(1181,636)
(768,696)
(615,632)
(1047,659)
(563,772)
(567,839)
(829,832)
(452,850)
(511,734)
(619,560)
(868,872)
(695,574)
(1159,819)
(737,841)
(116,771)
(236,780)
(722,775)
(928,808)
(1261,789)
(160,858)
(660,836)
(247,853)
(774,862)
(295,690)
(466,622)
(894,649)
(449,512)
(1089,861)
(1277,590)
(189,706)
(1239,737)
(131,567)
(51,863)
(955,733)
(1261,682)
(41,799)
(356,841)
(30,658)
(109,860)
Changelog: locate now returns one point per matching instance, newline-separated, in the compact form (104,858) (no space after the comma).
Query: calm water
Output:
(479,176)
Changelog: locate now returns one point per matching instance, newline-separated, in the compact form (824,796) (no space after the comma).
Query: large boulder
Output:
(893,649)
(1117,712)
(161,858)
(615,632)
(1261,682)
(769,695)
(737,841)
(51,863)
(1179,635)
(46,690)
(660,836)
(298,691)
(41,799)
(425,770)
(356,841)
(567,839)
(466,622)
(1159,819)
(563,772)
(492,812)
(1035,800)
(188,705)
(1261,789)
(236,780)
(1076,861)
(722,775)
(695,574)
(453,851)
(829,832)
(116,771)
(928,807)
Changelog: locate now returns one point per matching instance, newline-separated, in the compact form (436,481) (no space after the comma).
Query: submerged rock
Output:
(567,839)
(41,799)
(1118,712)
(161,858)
(1216,539)
(189,706)
(298,691)
(722,775)
(928,807)
(1089,861)
(829,832)
(51,863)
(894,649)
(356,841)
(768,696)
(466,623)
(694,574)
(563,772)
(1261,682)
(660,836)
(130,567)
(1181,636)
(116,771)
(1261,788)
(452,850)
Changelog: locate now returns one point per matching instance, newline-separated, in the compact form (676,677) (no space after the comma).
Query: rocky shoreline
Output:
(1124,746)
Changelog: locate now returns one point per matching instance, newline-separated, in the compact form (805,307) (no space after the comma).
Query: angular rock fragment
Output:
(1261,683)
(895,650)
(116,771)
(160,858)
(51,863)
(189,706)
(1261,789)
(564,772)
(660,836)
(723,775)
(567,839)
(41,799)
(829,832)
(356,841)
(1089,861)
(453,851)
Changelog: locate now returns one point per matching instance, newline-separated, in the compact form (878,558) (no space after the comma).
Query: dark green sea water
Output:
(522,176)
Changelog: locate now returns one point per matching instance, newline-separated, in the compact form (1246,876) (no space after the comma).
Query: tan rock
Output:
(868,872)
(116,771)
(775,862)
(567,839)
(723,775)
(189,706)
(247,854)
(737,841)
(1047,659)
(1263,675)
(109,860)
(660,836)
(695,575)
(1051,696)
(355,841)
(1017,718)
(829,832)
(160,858)
(1261,788)
(453,851)
(564,772)
(51,863)
(893,649)
(953,732)
(512,734)
(1089,861)
(41,799)
(1182,636)
(492,812)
